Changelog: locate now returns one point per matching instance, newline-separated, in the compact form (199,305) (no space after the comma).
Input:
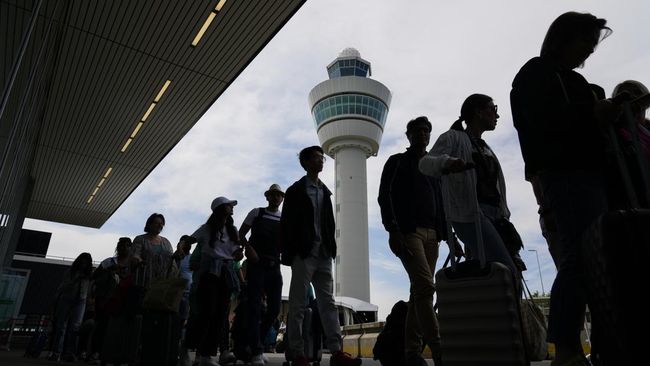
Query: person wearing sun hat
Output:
(218,247)
(263,268)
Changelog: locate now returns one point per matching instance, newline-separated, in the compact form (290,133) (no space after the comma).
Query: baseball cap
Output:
(221,201)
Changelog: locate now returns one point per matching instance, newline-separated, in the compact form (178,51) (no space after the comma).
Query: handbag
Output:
(165,294)
(533,326)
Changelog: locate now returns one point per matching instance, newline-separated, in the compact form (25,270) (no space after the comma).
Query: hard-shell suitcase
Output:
(616,250)
(312,335)
(478,312)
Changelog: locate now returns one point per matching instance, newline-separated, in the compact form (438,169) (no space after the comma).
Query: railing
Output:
(21,330)
(55,257)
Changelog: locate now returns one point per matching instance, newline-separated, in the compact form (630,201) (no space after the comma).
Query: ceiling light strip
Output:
(219,5)
(126,144)
(146,115)
(101,182)
(148,112)
(162,91)
(207,22)
(137,129)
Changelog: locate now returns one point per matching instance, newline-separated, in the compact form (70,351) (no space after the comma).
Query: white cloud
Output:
(431,54)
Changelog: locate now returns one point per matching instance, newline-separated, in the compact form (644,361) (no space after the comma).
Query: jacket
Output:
(552,110)
(397,198)
(459,189)
(297,223)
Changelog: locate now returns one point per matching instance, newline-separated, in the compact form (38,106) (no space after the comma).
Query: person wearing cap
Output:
(263,268)
(218,247)
(308,246)
(411,212)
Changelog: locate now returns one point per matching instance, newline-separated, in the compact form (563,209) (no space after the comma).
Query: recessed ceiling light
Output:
(204,28)
(137,129)
(148,112)
(101,182)
(162,90)
(90,199)
(126,144)
(220,5)
(108,172)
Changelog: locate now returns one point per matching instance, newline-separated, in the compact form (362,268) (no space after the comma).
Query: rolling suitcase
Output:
(312,335)
(615,252)
(478,312)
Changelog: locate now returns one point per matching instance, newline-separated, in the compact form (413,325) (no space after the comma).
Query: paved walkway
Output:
(15,358)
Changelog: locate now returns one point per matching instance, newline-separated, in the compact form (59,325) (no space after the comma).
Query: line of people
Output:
(560,119)
(304,234)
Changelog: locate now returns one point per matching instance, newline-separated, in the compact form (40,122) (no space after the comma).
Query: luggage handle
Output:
(452,241)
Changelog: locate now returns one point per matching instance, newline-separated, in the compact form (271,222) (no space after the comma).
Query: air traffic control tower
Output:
(350,111)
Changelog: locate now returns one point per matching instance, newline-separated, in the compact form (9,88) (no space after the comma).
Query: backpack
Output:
(389,347)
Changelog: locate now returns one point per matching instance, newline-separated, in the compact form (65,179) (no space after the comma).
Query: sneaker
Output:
(257,360)
(227,357)
(207,361)
(300,361)
(340,358)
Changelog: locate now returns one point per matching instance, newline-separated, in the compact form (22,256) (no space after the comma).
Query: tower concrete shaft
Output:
(349,112)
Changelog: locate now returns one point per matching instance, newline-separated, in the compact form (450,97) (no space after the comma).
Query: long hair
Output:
(214,226)
(83,258)
(471,104)
(569,26)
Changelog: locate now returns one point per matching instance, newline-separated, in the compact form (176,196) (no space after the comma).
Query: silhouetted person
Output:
(70,307)
(558,119)
(412,213)
(263,268)
(308,246)
(473,185)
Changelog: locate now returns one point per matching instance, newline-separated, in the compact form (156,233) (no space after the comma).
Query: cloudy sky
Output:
(431,54)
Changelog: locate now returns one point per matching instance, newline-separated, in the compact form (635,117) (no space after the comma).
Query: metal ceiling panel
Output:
(112,60)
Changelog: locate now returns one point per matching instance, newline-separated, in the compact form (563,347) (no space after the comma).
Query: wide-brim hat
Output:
(221,201)
(274,188)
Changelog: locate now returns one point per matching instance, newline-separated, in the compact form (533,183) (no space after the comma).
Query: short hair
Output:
(422,120)
(153,216)
(570,26)
(306,154)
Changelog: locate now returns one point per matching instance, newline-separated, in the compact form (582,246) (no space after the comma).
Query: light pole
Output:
(539,268)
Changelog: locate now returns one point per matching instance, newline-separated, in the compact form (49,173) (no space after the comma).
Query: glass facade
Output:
(347,104)
(348,68)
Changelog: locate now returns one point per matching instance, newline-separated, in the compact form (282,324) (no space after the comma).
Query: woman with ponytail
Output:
(473,186)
